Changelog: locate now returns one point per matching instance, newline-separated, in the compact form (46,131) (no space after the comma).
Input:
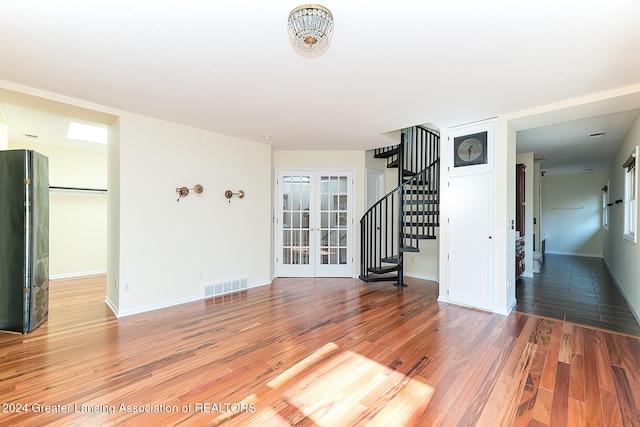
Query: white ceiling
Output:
(568,148)
(227,65)
(33,126)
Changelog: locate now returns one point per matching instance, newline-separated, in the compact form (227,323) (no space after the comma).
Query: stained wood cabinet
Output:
(520,221)
(519,257)
(520,200)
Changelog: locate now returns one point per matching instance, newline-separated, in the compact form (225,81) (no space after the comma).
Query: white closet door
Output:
(471,241)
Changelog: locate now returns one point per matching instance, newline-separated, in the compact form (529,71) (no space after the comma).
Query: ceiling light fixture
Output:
(310,28)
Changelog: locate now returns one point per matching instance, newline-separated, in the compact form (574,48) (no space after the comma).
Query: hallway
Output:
(576,289)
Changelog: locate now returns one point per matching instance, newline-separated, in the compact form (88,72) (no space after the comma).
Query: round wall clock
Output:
(470,149)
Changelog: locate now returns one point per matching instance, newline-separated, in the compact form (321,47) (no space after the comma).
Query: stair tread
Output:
(421,202)
(409,249)
(391,260)
(419,236)
(427,212)
(413,191)
(414,220)
(393,278)
(386,154)
(384,270)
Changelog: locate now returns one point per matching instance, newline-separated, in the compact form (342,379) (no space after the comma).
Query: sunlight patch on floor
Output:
(334,387)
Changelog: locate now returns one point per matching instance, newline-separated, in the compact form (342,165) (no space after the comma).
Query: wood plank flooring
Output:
(313,352)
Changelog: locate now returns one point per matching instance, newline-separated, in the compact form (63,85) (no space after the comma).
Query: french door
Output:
(314,223)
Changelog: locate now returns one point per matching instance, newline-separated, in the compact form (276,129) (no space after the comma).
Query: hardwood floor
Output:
(313,352)
(577,289)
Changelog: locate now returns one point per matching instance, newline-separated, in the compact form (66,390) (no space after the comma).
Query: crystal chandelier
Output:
(310,27)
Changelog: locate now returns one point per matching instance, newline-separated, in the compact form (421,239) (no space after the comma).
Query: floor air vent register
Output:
(226,287)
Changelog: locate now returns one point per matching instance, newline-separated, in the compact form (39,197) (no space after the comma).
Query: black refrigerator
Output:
(24,240)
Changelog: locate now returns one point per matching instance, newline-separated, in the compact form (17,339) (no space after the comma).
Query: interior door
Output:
(295,231)
(471,241)
(314,223)
(335,230)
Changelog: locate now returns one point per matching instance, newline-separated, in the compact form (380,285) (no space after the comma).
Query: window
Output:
(605,206)
(630,197)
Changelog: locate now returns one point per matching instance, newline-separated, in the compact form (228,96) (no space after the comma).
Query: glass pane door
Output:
(334,225)
(295,230)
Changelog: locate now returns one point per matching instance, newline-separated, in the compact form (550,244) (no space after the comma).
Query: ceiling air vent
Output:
(597,135)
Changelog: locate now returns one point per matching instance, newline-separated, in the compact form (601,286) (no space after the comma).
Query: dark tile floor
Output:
(576,289)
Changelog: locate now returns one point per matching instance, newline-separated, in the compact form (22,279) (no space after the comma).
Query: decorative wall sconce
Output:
(184,191)
(229,194)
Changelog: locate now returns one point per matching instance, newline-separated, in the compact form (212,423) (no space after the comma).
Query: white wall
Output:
(170,249)
(113,217)
(4,133)
(572,214)
(504,210)
(622,256)
(77,220)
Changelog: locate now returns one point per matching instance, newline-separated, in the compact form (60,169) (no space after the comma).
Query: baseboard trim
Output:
(511,307)
(501,312)
(77,274)
(621,289)
(167,304)
(111,305)
(158,306)
(421,277)
(573,254)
